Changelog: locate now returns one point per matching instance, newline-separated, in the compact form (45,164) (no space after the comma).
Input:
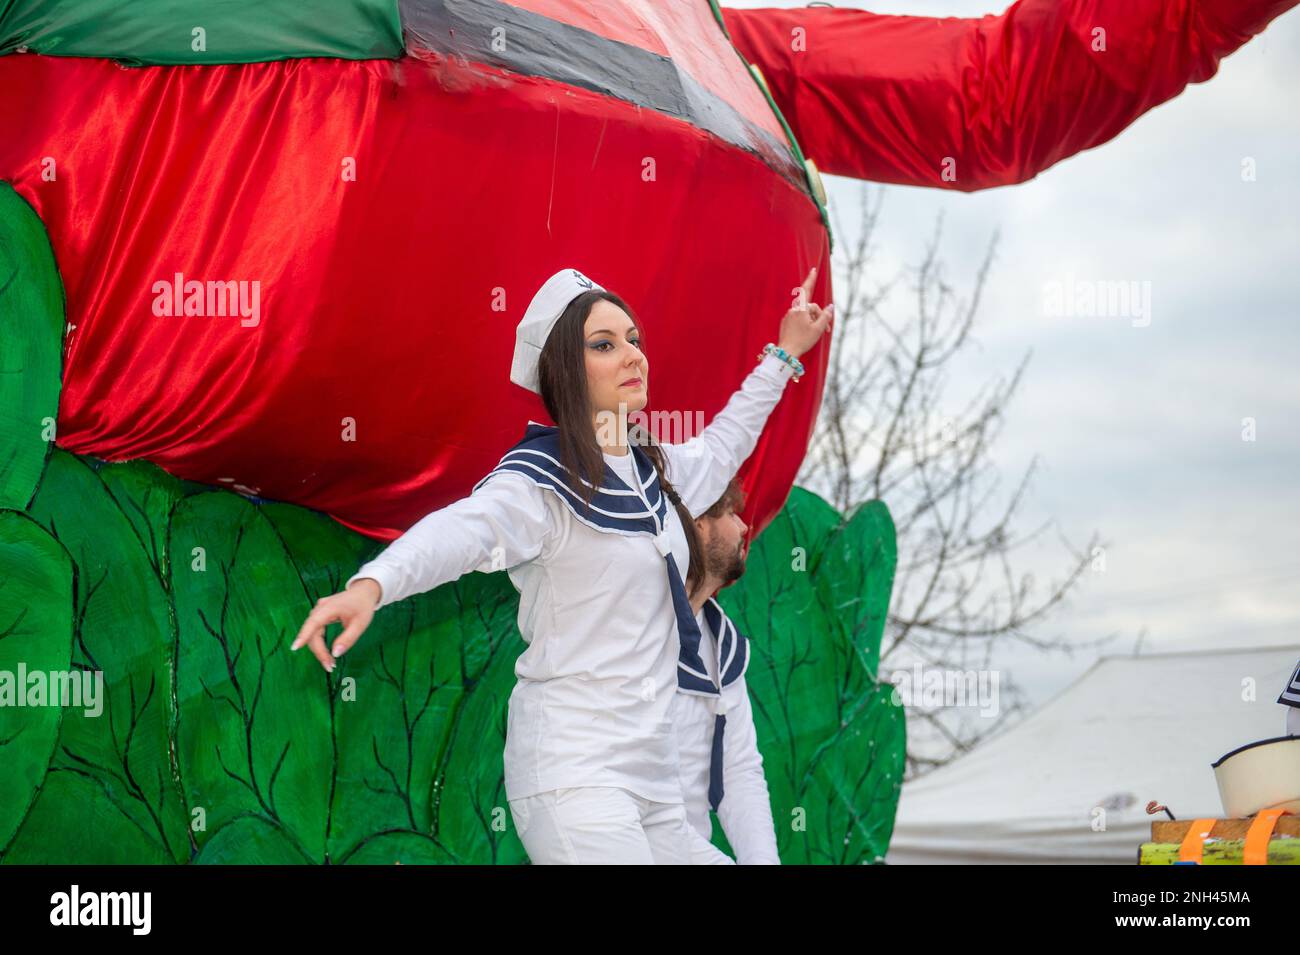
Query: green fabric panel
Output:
(216,745)
(233,31)
(860,558)
(77,821)
(31,348)
(813,601)
(254,721)
(397,848)
(125,632)
(418,707)
(469,797)
(35,637)
(250,840)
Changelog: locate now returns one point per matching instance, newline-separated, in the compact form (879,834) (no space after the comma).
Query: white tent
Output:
(1130,730)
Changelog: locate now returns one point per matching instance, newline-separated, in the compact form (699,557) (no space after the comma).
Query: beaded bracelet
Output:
(785,356)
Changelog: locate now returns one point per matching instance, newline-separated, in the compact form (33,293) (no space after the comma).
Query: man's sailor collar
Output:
(731,647)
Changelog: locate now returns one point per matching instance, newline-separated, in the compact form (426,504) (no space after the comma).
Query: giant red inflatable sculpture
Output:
(367,197)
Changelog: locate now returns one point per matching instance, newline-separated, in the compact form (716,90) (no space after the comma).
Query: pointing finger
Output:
(808,282)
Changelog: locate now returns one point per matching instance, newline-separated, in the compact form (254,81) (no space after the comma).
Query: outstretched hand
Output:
(354,608)
(805,322)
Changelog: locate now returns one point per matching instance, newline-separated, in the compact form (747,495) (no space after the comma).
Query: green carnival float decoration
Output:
(170,606)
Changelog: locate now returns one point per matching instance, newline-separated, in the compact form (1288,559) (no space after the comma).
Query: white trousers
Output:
(605,825)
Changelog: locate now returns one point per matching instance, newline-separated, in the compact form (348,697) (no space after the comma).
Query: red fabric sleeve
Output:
(995,100)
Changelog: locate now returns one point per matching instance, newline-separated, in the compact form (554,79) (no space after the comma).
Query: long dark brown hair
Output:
(562,373)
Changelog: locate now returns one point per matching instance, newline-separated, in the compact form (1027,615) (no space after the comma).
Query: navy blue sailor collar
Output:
(732,650)
(615,508)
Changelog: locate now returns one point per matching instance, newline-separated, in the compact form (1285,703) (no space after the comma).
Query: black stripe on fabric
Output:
(535,45)
(623,523)
(1241,749)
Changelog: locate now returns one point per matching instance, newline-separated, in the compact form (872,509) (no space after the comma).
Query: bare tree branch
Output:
(957,600)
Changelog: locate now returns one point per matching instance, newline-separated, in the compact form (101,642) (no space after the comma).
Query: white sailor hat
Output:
(543,312)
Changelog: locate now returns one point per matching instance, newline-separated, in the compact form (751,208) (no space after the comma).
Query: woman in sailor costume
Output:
(580,520)
(719,761)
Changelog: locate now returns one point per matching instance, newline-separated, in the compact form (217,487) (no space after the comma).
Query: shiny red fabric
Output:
(374,385)
(890,98)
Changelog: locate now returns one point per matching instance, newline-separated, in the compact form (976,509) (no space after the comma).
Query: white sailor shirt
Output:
(590,706)
(745,810)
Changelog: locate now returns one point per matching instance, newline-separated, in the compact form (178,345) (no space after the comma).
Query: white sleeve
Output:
(746,808)
(505,522)
(700,468)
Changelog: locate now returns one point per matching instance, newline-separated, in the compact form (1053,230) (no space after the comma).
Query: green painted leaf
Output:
(251,840)
(859,560)
(36,636)
(124,632)
(77,822)
(254,732)
(397,756)
(420,730)
(391,692)
(474,820)
(31,341)
(146,495)
(813,602)
(853,782)
(391,848)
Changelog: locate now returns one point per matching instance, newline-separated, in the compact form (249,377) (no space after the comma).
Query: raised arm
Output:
(975,103)
(503,523)
(700,468)
(746,808)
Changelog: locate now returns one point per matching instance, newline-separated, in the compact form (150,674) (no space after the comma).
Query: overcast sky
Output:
(1139,429)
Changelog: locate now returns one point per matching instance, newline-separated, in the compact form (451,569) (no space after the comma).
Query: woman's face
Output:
(617,370)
